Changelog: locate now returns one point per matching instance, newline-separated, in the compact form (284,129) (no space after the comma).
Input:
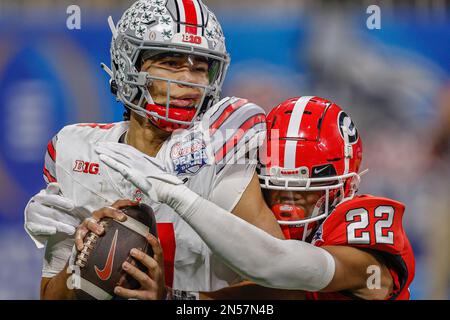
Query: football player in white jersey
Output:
(168,62)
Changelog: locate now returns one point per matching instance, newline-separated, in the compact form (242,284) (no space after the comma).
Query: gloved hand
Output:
(48,213)
(145,172)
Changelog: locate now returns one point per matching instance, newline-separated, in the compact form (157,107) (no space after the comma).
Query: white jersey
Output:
(204,157)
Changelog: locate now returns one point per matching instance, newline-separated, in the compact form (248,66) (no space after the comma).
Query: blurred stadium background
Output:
(395,82)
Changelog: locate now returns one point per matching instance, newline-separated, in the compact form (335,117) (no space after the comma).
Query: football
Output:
(100,260)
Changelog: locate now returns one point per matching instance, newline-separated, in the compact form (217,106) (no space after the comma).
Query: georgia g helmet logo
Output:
(344,120)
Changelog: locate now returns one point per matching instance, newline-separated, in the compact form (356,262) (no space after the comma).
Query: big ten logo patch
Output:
(189,155)
(86,167)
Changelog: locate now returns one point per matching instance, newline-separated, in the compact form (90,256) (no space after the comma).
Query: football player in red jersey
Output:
(309,175)
(341,246)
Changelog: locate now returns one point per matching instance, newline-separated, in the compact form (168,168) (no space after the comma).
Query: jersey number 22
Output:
(358,231)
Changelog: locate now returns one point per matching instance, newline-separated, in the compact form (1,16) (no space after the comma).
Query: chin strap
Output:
(355,185)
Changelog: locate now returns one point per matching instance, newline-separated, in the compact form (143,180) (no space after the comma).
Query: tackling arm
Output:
(354,268)
(249,250)
(299,265)
(244,247)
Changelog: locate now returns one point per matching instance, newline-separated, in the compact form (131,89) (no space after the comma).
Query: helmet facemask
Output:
(288,198)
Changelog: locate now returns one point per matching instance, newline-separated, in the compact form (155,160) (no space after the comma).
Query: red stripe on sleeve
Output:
(50,178)
(226,114)
(51,150)
(190,16)
(233,141)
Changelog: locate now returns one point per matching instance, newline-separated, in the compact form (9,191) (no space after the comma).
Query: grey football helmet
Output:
(152,27)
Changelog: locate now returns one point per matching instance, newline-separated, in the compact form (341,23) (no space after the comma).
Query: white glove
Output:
(48,213)
(145,172)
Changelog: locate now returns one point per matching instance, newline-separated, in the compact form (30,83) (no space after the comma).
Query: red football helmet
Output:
(310,162)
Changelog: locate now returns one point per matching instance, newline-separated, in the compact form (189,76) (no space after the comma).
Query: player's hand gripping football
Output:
(47,213)
(145,172)
(152,283)
(92,223)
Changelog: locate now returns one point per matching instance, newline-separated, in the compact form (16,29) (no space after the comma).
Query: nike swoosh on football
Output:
(106,272)
(317,171)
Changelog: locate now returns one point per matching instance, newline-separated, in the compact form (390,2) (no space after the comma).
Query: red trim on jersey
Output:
(233,141)
(166,235)
(226,114)
(50,178)
(190,16)
(51,150)
(105,126)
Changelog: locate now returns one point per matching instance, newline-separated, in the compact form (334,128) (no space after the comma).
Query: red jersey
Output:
(374,224)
